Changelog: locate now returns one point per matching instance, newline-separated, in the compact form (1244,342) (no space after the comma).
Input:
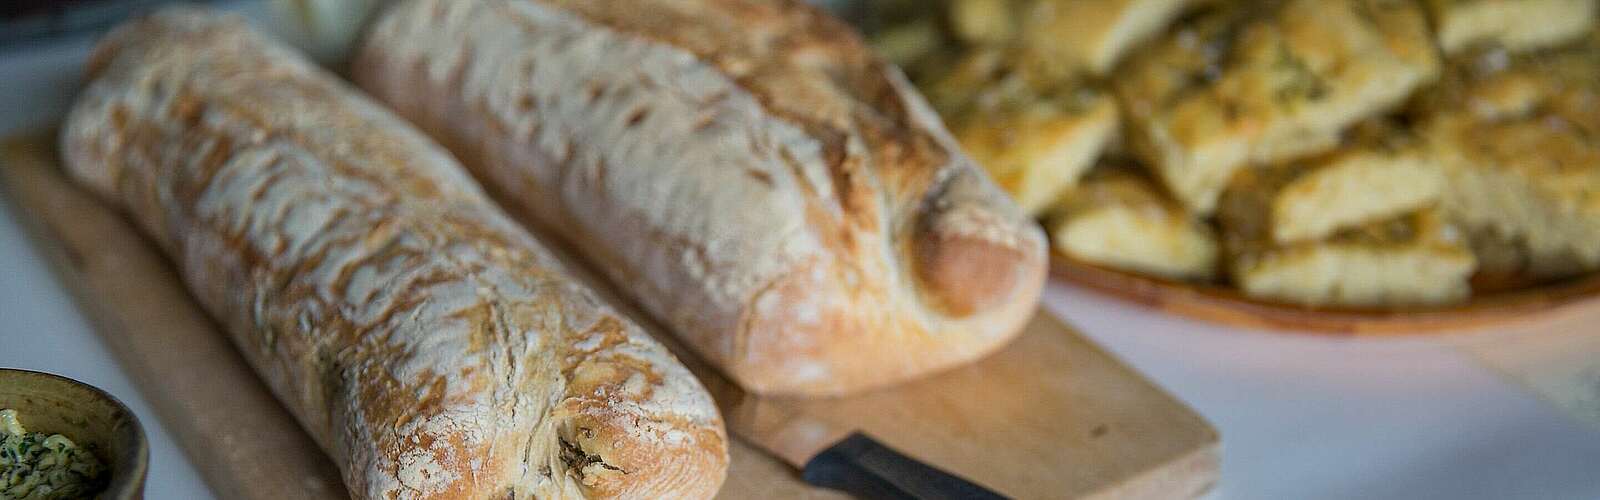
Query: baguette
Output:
(751,173)
(430,346)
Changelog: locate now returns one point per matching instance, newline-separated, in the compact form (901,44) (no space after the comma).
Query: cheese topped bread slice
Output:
(1265,82)
(1064,38)
(1381,172)
(1410,260)
(1118,218)
(1517,25)
(1034,137)
(985,22)
(1519,140)
(1067,37)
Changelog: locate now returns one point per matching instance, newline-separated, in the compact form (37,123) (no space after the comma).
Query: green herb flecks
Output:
(39,466)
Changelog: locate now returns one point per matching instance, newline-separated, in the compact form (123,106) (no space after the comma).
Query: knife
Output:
(845,460)
(827,455)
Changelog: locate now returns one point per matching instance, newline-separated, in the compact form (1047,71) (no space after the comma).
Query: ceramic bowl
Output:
(89,417)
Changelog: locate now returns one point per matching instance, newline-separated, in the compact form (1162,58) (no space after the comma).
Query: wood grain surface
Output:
(1229,306)
(1051,416)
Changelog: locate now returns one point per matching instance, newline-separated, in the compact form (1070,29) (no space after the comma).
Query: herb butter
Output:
(37,466)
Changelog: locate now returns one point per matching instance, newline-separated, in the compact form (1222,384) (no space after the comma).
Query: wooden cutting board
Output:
(1051,416)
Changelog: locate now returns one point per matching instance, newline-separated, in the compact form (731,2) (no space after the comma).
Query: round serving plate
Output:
(1229,306)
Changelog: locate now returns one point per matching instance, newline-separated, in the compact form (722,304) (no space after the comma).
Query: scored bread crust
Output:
(746,170)
(430,346)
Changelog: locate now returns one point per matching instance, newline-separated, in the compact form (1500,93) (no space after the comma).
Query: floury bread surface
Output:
(747,170)
(433,348)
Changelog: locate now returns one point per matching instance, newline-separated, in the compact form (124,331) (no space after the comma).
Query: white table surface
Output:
(1301,416)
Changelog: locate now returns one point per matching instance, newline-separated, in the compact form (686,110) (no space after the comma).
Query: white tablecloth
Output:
(1301,416)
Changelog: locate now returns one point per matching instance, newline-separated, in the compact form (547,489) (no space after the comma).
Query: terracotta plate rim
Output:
(1228,306)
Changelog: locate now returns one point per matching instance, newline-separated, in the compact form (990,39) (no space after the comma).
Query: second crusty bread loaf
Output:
(430,346)
(746,169)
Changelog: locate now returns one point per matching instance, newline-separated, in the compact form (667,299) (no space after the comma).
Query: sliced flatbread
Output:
(1066,37)
(1518,138)
(1412,260)
(1381,173)
(1120,219)
(1266,82)
(1517,25)
(1034,139)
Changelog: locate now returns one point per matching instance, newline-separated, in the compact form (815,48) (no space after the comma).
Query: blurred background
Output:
(1507,412)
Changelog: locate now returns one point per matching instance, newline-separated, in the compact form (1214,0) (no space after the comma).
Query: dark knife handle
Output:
(867,469)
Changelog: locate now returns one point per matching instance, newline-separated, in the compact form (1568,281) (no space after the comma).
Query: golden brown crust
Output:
(1034,137)
(1261,82)
(1121,219)
(1515,136)
(1379,172)
(754,174)
(1417,258)
(1068,36)
(1519,25)
(431,347)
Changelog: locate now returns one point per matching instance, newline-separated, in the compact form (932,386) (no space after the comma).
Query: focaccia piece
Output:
(1415,259)
(1120,219)
(1516,137)
(1266,82)
(1517,25)
(1382,173)
(1035,139)
(986,22)
(1065,37)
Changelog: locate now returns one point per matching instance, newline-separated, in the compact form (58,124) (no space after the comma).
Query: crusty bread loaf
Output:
(746,169)
(434,349)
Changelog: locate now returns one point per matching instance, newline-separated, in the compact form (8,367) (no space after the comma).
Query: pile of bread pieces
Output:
(1350,153)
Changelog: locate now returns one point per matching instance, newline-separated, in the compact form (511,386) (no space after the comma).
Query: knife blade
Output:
(828,455)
